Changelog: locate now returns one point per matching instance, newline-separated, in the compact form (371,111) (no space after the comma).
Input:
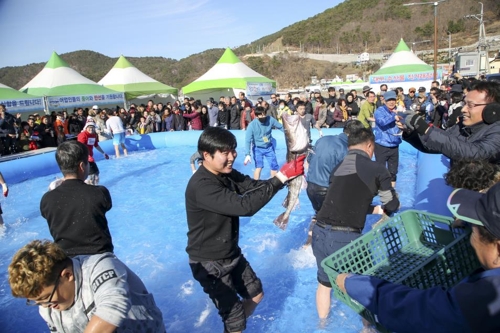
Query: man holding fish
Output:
(216,196)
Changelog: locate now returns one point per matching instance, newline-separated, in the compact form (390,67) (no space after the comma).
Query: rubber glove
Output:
(5,190)
(248,159)
(294,168)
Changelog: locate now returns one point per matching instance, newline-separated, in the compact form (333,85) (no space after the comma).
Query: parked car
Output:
(491,77)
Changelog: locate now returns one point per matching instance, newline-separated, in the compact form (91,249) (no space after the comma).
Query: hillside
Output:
(351,27)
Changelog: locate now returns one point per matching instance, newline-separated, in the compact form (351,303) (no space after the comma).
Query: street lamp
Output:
(435,4)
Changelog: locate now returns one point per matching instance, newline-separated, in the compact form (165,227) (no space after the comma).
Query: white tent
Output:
(403,69)
(64,87)
(126,78)
(228,77)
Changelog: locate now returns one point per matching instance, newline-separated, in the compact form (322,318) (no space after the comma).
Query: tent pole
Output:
(46,105)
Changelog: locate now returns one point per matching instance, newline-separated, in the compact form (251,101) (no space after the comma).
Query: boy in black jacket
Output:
(76,211)
(216,196)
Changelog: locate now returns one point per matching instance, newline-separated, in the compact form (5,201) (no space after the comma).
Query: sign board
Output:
(260,88)
(23,105)
(66,102)
(408,77)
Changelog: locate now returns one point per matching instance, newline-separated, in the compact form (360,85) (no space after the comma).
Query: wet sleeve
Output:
(216,197)
(454,146)
(108,278)
(403,309)
(248,139)
(387,193)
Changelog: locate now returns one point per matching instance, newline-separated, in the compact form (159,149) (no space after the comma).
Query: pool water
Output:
(148,225)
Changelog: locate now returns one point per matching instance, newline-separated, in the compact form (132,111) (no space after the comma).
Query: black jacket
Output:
(234,117)
(353,185)
(7,124)
(479,141)
(76,215)
(214,205)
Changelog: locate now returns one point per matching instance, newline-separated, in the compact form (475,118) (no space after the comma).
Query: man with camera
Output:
(475,136)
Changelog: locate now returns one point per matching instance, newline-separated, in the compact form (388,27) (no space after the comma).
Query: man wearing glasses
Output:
(476,136)
(95,293)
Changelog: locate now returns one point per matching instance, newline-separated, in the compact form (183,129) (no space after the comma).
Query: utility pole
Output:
(449,45)
(435,4)
(482,46)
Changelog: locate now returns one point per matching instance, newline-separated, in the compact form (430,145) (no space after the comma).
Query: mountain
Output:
(353,26)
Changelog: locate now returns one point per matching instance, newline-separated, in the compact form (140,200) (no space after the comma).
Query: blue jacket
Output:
(260,134)
(329,151)
(471,306)
(386,132)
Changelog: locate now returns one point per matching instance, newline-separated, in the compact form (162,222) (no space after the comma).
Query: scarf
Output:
(345,115)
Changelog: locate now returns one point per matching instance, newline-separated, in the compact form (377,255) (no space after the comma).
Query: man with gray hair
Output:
(213,110)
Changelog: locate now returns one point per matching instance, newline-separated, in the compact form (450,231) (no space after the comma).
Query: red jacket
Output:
(195,118)
(90,140)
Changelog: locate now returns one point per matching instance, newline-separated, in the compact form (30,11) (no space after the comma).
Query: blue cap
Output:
(478,208)
(390,95)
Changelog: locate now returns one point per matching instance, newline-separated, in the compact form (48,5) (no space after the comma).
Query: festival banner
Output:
(66,102)
(23,105)
(409,77)
(260,89)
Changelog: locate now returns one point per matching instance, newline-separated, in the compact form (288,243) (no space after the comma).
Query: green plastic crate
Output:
(414,248)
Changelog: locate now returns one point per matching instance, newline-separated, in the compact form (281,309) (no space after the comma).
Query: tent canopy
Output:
(58,79)
(16,101)
(126,78)
(404,69)
(228,73)
(7,92)
(403,60)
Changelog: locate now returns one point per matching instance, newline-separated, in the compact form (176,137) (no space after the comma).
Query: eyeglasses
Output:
(412,92)
(472,105)
(49,302)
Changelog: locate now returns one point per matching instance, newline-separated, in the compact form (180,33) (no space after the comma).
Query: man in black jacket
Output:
(216,196)
(76,211)
(234,115)
(353,184)
(477,136)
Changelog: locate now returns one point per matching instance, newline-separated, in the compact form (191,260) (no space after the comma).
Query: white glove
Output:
(248,159)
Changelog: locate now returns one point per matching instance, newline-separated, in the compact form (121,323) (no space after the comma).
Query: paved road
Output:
(494,42)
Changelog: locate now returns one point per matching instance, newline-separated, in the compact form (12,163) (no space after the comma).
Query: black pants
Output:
(316,195)
(388,156)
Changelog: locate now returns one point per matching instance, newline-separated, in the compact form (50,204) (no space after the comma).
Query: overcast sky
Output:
(31,29)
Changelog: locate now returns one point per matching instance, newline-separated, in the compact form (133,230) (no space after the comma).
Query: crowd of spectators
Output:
(441,106)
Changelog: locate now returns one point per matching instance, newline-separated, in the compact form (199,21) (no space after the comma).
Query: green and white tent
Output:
(66,88)
(228,77)
(16,101)
(126,78)
(404,69)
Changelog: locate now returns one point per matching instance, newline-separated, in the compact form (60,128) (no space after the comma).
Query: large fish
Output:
(297,143)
